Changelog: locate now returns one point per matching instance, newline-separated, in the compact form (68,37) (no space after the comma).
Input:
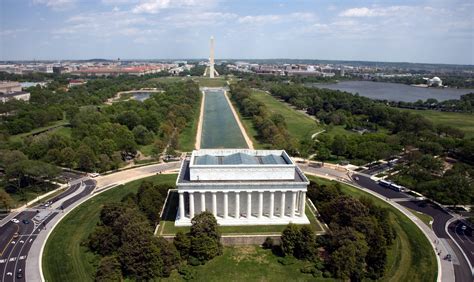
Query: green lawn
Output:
(462,121)
(423,217)
(52,126)
(211,82)
(411,257)
(248,263)
(299,125)
(64,259)
(187,138)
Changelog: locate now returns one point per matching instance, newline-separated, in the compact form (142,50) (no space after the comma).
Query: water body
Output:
(394,91)
(219,127)
(141,96)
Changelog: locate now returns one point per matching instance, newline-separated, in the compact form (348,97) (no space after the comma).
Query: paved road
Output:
(464,236)
(16,239)
(440,217)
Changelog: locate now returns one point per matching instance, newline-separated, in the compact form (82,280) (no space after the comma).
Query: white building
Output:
(12,90)
(242,187)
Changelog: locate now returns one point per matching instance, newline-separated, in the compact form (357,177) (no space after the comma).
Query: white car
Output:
(14,220)
(94,174)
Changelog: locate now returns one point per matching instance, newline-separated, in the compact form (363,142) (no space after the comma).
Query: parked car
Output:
(14,220)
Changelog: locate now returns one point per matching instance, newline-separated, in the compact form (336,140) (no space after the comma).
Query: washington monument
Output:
(212,71)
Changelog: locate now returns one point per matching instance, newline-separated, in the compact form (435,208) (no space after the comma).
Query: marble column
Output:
(237,205)
(191,205)
(203,201)
(214,204)
(226,204)
(272,199)
(302,203)
(293,204)
(260,204)
(282,204)
(181,205)
(249,204)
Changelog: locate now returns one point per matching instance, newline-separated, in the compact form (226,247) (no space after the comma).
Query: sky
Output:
(429,31)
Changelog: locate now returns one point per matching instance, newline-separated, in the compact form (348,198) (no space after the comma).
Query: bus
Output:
(397,187)
(385,183)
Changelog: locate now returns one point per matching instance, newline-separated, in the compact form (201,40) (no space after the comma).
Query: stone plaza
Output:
(242,187)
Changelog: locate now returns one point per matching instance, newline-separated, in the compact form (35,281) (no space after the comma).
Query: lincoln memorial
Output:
(242,187)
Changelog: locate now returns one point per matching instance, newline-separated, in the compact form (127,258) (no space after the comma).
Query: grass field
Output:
(211,82)
(250,129)
(299,125)
(411,257)
(462,121)
(64,259)
(248,263)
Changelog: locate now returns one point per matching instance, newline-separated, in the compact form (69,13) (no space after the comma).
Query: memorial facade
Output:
(242,187)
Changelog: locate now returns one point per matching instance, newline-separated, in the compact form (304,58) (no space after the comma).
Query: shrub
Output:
(268,244)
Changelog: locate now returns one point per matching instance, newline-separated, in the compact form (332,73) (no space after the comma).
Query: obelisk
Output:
(211,59)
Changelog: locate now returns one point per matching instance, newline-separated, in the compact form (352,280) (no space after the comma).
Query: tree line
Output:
(271,127)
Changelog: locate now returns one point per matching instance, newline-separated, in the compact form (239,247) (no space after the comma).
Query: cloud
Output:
(261,19)
(56,4)
(155,6)
(374,12)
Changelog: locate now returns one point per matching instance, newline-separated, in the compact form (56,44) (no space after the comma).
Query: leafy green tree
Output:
(108,270)
(6,201)
(290,239)
(182,244)
(205,237)
(142,135)
(103,240)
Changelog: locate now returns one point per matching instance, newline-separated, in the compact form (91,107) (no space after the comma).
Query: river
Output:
(394,91)
(219,127)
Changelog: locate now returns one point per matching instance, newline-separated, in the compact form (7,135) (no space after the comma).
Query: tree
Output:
(6,202)
(290,239)
(86,158)
(142,135)
(103,240)
(182,244)
(169,255)
(108,270)
(205,237)
(306,247)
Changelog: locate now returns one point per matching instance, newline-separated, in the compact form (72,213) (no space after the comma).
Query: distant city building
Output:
(12,90)
(242,187)
(76,82)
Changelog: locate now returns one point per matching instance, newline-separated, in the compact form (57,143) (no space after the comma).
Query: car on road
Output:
(19,273)
(94,174)
(26,221)
(14,220)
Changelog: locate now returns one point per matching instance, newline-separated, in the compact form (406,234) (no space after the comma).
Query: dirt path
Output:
(197,145)
(242,129)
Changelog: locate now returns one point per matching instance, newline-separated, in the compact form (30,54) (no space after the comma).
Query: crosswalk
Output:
(12,259)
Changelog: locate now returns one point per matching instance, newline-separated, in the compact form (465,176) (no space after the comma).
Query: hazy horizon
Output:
(428,31)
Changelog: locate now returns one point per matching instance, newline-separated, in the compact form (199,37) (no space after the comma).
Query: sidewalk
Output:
(445,268)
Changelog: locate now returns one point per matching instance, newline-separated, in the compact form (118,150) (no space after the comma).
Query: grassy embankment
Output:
(410,258)
(462,121)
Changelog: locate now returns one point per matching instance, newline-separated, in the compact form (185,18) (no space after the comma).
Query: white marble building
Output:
(242,187)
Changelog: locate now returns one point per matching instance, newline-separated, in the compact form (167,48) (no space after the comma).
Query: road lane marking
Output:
(6,245)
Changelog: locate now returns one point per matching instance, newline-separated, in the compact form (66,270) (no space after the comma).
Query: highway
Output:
(16,239)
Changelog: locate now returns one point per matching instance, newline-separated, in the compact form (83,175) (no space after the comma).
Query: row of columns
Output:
(300,202)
